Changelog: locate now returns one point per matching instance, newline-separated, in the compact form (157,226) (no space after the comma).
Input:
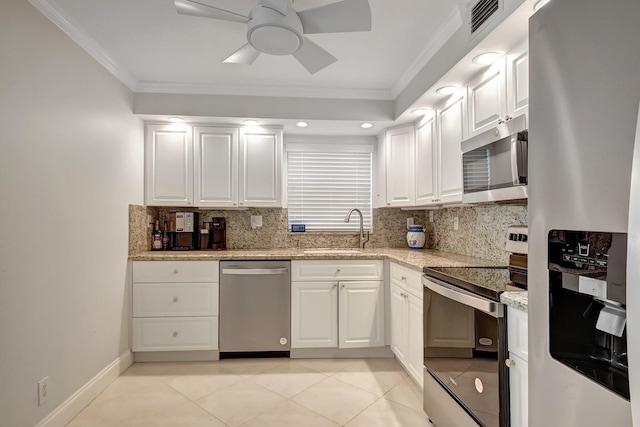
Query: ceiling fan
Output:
(274,27)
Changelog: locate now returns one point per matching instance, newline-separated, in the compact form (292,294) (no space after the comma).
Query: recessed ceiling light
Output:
(539,5)
(176,119)
(447,90)
(366,125)
(486,58)
(250,122)
(302,124)
(419,112)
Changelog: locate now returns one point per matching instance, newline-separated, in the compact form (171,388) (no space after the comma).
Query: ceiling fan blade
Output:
(194,8)
(245,55)
(341,17)
(313,57)
(279,6)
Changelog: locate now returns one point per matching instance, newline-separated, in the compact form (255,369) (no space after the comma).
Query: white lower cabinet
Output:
(517,323)
(175,305)
(345,312)
(407,337)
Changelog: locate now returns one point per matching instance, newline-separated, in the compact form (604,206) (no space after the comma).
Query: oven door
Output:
(465,382)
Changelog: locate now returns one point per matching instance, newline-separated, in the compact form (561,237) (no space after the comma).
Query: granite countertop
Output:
(416,259)
(516,299)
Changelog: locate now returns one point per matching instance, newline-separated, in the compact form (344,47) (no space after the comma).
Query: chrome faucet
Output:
(364,235)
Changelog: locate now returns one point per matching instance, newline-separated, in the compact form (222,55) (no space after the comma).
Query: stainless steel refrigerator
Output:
(584,97)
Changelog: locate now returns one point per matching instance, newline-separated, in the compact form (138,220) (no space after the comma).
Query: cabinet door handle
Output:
(175,299)
(510,363)
(174,334)
(335,285)
(342,287)
(404,278)
(507,118)
(175,271)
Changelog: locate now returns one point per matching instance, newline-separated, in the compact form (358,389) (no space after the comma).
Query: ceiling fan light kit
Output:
(275,28)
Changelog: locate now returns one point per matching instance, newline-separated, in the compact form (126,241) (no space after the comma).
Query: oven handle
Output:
(492,308)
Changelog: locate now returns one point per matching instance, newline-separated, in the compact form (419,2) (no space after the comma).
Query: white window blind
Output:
(324,186)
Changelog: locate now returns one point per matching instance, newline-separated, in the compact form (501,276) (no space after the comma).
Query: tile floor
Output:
(260,392)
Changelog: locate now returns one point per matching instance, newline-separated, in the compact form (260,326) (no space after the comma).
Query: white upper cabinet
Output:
(400,154)
(216,166)
(487,99)
(168,165)
(260,168)
(451,123)
(518,81)
(426,177)
(213,166)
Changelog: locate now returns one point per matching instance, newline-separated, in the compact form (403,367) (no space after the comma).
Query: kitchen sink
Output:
(332,251)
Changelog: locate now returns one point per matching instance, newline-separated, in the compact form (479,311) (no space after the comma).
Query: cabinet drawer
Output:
(175,299)
(175,271)
(518,334)
(410,280)
(176,333)
(336,270)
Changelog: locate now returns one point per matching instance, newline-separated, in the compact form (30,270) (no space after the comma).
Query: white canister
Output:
(416,236)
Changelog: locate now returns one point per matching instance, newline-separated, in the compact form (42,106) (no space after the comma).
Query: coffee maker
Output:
(213,234)
(185,236)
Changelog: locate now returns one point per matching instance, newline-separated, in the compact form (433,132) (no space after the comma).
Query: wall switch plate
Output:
(430,216)
(409,222)
(43,391)
(455,223)
(256,221)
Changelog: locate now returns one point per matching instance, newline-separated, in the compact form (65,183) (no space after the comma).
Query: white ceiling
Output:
(152,49)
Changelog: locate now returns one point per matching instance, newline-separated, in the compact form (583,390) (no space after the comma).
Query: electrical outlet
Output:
(455,223)
(430,216)
(43,391)
(256,221)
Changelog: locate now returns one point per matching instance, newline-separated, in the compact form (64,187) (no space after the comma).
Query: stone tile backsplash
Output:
(482,229)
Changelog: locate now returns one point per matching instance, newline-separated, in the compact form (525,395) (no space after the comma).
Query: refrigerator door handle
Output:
(633,277)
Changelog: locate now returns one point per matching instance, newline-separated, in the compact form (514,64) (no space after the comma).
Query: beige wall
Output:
(71,161)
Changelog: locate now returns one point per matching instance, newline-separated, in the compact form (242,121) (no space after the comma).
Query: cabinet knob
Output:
(510,363)
(388,204)
(174,334)
(188,203)
(507,118)
(175,271)
(175,299)
(335,285)
(403,278)
(495,132)
(342,287)
(241,203)
(234,203)
(337,270)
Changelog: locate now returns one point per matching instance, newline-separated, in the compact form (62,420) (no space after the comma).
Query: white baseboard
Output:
(71,407)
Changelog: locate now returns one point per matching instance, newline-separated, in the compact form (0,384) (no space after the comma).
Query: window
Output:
(322,186)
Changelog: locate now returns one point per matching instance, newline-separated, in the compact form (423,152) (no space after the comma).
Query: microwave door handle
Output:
(514,160)
(492,308)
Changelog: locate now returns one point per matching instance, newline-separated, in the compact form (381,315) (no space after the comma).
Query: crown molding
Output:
(73,30)
(444,33)
(276,91)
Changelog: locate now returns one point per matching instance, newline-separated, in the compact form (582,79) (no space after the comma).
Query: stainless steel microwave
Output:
(494,163)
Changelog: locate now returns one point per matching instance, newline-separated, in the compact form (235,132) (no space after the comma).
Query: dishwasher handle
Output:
(255,271)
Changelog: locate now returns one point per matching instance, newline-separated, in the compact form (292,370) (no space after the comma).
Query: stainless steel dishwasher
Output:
(255,307)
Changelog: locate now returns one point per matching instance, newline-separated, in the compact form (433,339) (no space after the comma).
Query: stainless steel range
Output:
(466,380)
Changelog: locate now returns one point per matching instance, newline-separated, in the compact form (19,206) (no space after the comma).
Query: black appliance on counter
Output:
(213,234)
(466,381)
(587,305)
